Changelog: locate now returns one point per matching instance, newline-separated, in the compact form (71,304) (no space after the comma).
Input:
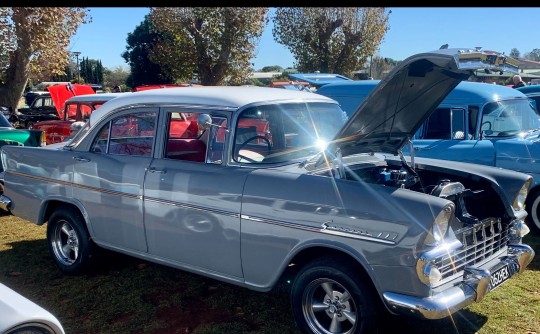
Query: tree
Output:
(91,71)
(380,66)
(115,77)
(274,68)
(336,40)
(34,44)
(140,43)
(514,53)
(533,55)
(217,42)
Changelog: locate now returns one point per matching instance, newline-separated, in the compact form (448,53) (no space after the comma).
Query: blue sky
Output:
(412,30)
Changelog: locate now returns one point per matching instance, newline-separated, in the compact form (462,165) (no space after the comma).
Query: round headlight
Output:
(440,226)
(428,273)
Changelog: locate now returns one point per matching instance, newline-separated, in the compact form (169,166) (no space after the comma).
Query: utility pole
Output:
(77,53)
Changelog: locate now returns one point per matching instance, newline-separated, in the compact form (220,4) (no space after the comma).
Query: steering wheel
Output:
(486,122)
(241,146)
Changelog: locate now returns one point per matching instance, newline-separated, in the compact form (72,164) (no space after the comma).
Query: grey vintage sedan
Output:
(258,186)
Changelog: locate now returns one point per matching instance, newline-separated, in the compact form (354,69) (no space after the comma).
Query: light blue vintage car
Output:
(479,123)
(533,93)
(262,186)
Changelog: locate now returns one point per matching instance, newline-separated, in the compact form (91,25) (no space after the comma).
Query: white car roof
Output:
(231,97)
(94,97)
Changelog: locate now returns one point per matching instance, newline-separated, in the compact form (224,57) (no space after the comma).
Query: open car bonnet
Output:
(407,96)
(60,93)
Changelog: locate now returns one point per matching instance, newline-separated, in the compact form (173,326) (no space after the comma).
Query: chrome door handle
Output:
(83,159)
(155,170)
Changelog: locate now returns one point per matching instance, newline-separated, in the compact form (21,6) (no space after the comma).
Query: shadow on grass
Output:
(462,322)
(127,295)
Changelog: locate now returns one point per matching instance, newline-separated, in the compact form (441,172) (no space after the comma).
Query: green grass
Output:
(127,295)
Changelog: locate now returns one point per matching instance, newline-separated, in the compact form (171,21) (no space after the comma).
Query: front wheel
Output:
(329,298)
(69,242)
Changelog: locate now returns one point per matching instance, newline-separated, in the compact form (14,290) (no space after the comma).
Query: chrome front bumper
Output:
(473,288)
(5,203)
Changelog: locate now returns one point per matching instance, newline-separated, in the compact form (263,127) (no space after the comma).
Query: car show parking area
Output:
(127,295)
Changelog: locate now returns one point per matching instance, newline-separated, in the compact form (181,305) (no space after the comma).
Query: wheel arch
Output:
(534,192)
(312,253)
(51,205)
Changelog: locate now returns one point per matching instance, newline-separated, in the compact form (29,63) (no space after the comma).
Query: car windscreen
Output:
(278,133)
(4,123)
(508,118)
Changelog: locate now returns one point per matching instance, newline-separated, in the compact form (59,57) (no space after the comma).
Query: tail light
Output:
(43,139)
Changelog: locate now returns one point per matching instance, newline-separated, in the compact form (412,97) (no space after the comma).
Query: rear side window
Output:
(131,134)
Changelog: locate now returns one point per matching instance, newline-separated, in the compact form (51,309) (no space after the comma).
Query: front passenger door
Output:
(448,135)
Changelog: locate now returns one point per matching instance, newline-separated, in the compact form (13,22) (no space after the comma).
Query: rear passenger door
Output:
(192,198)
(109,177)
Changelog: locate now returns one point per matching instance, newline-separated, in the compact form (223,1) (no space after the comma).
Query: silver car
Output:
(258,186)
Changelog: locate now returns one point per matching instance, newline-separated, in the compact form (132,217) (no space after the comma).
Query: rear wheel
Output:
(329,297)
(69,242)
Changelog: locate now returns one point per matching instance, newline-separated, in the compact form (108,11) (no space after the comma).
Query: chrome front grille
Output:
(479,242)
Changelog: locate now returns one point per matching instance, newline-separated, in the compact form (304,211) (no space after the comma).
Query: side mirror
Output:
(204,121)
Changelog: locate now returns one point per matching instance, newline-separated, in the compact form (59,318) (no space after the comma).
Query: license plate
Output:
(499,276)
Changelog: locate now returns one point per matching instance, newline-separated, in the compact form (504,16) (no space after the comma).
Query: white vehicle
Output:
(19,315)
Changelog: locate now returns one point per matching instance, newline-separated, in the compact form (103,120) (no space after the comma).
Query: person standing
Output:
(518,82)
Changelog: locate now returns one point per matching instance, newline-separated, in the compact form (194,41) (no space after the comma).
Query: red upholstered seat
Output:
(186,149)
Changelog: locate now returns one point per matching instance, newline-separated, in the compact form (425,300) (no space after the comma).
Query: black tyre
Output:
(533,210)
(329,297)
(69,241)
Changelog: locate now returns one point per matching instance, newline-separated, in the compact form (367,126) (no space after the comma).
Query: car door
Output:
(108,179)
(449,134)
(192,199)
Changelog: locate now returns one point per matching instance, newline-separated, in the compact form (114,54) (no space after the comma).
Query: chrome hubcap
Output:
(329,308)
(65,243)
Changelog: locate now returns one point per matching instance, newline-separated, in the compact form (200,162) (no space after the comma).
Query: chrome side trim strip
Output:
(39,178)
(192,207)
(324,229)
(107,191)
(281,223)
